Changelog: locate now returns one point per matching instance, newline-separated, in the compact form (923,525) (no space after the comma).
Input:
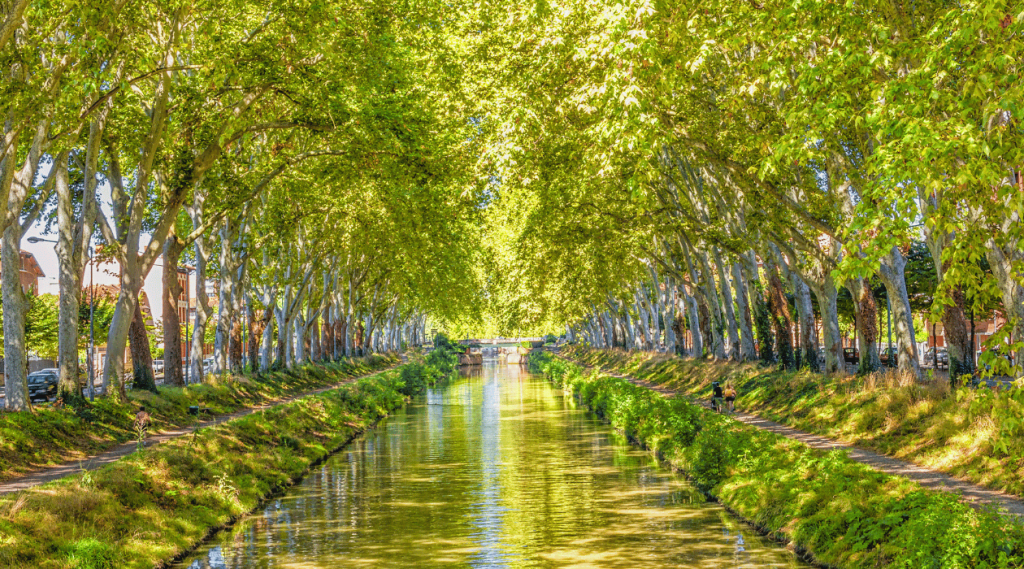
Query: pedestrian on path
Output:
(716,397)
(730,396)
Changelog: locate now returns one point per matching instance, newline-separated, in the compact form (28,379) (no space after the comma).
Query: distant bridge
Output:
(507,342)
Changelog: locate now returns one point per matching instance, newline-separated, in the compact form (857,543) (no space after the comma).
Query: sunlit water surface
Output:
(496,470)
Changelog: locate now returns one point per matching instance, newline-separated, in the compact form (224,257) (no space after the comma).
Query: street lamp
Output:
(92,319)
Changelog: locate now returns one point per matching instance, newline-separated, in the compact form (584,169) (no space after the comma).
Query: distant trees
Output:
(758,153)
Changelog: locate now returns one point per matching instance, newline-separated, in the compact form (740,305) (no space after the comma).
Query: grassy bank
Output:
(842,513)
(52,435)
(974,434)
(155,505)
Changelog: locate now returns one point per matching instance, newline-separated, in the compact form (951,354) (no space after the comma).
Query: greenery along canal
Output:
(495,470)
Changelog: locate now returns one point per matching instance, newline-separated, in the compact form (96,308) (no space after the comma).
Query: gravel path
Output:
(48,474)
(971,493)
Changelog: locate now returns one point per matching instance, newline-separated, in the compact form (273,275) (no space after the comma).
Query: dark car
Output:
(42,385)
(851,355)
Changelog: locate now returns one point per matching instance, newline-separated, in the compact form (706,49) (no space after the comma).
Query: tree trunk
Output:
(117,337)
(15,306)
(72,247)
(1006,263)
(173,249)
(762,318)
(727,301)
(266,359)
(142,357)
(252,345)
(826,294)
(715,322)
(235,346)
(203,311)
(746,321)
(668,313)
(696,331)
(865,312)
(805,310)
(781,319)
(891,273)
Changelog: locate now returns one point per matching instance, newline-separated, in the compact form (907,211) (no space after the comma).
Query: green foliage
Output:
(712,455)
(442,360)
(844,513)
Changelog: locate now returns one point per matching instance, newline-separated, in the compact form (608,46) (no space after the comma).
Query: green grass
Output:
(838,511)
(976,435)
(154,505)
(51,435)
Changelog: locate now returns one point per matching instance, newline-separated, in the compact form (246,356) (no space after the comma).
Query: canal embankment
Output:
(155,505)
(833,510)
(62,435)
(972,434)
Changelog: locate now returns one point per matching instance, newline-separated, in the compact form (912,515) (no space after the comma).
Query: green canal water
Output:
(495,470)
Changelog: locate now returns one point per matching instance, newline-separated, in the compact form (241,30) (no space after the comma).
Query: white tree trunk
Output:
(730,314)
(827,294)
(697,344)
(15,307)
(745,318)
(891,273)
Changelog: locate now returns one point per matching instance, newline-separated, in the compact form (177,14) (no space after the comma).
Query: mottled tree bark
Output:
(142,357)
(781,319)
(173,248)
(865,313)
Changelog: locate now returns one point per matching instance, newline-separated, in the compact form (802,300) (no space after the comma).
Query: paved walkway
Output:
(48,474)
(972,494)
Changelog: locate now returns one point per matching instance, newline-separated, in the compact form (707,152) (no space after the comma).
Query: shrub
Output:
(711,456)
(412,379)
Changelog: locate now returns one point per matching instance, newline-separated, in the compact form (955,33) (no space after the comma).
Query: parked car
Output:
(42,384)
(889,356)
(158,367)
(851,355)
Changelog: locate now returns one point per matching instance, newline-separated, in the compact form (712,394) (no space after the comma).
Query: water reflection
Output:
(497,470)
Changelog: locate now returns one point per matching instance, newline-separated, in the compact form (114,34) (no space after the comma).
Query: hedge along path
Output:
(972,494)
(49,474)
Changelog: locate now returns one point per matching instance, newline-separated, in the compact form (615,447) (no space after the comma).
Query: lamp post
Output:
(188,336)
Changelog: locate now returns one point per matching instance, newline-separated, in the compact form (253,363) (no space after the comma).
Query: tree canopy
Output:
(702,176)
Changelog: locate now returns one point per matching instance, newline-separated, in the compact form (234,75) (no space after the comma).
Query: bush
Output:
(711,456)
(412,379)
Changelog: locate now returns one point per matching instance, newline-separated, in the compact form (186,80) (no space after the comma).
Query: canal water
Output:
(495,470)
